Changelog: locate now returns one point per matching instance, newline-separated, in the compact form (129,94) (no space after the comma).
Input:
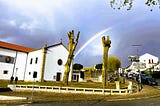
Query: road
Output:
(142,102)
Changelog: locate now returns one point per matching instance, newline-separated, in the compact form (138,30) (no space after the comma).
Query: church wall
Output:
(34,64)
(15,65)
(56,58)
(20,65)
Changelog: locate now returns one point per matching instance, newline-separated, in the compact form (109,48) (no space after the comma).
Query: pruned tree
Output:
(118,4)
(71,48)
(106,45)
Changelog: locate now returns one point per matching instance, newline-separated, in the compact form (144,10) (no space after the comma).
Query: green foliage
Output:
(147,72)
(118,4)
(152,3)
(77,66)
(98,66)
(89,68)
(113,63)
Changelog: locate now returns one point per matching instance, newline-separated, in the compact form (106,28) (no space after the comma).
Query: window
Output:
(149,61)
(36,60)
(152,61)
(60,62)
(74,77)
(29,73)
(31,61)
(7,59)
(82,74)
(54,77)
(5,72)
(35,74)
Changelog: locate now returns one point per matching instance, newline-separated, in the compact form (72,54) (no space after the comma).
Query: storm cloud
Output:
(31,23)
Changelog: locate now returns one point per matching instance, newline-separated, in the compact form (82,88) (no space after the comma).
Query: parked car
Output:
(143,76)
(151,81)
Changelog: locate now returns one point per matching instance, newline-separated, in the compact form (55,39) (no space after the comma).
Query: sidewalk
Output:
(2,97)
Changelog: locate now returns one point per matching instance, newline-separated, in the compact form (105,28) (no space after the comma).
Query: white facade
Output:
(146,61)
(34,64)
(16,68)
(20,65)
(24,64)
(78,75)
(149,60)
(56,58)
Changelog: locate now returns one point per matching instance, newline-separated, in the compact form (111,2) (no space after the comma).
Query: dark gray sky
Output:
(31,22)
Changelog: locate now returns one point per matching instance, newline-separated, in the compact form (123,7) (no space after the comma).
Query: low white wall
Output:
(58,89)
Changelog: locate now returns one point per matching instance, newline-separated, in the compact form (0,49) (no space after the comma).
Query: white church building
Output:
(146,61)
(46,63)
(149,60)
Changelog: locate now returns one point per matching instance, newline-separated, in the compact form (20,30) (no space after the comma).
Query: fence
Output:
(58,89)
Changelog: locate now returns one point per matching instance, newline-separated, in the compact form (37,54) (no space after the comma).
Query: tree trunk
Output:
(66,74)
(106,45)
(71,47)
(104,68)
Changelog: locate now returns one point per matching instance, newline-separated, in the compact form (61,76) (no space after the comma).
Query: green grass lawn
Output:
(4,83)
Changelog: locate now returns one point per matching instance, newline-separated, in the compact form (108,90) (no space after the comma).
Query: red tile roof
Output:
(15,47)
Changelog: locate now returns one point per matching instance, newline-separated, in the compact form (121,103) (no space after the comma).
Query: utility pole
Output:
(138,45)
(137,60)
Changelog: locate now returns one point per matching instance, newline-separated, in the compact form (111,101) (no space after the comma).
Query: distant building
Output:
(145,62)
(149,60)
(156,67)
(78,75)
(46,63)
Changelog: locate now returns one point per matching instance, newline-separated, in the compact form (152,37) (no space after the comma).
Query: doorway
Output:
(58,78)
(75,77)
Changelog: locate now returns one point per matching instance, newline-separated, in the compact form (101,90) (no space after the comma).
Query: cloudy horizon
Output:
(31,22)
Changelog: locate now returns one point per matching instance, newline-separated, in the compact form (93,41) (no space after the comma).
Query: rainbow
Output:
(91,39)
